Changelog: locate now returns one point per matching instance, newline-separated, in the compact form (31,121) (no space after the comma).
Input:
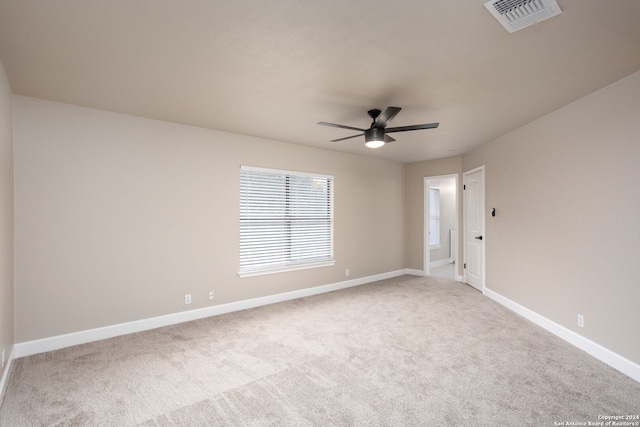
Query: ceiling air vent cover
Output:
(515,15)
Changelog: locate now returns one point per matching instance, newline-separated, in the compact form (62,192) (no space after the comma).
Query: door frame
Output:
(425,238)
(483,224)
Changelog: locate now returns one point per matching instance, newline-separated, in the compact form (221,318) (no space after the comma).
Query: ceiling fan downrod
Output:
(374,114)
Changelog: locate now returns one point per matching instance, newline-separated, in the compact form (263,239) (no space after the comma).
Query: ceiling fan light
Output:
(374,138)
(374,144)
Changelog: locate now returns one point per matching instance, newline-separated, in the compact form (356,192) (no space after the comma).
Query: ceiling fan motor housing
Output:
(374,134)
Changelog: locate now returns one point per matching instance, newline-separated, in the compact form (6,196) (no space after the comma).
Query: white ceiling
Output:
(274,69)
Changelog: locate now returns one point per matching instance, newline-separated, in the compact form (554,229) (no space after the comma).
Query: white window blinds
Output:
(434,216)
(286,220)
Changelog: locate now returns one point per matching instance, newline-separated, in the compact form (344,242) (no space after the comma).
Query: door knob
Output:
(479,237)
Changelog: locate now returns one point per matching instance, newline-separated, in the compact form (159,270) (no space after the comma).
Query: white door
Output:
(474,228)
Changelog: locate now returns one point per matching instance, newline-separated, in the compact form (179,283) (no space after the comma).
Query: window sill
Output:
(433,247)
(261,272)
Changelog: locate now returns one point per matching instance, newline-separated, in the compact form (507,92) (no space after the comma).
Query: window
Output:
(286,221)
(434,217)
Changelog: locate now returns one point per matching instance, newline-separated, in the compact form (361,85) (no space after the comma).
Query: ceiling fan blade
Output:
(413,127)
(386,116)
(347,137)
(340,126)
(387,138)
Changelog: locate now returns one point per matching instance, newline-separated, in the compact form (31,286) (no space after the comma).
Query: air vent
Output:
(515,15)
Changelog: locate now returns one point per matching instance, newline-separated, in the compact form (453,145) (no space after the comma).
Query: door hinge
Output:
(464,187)
(464,265)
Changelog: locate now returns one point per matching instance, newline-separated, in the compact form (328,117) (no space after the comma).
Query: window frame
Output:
(290,264)
(434,218)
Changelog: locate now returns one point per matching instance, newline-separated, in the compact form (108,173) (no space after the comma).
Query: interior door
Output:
(474,228)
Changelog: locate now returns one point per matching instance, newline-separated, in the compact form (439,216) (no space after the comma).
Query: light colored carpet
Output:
(409,351)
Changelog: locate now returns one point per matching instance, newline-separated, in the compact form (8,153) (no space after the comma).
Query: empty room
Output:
(319,213)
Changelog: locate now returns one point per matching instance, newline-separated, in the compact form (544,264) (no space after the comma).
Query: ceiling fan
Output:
(376,136)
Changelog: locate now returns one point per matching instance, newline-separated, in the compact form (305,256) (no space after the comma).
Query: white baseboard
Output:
(459,278)
(601,353)
(5,374)
(414,272)
(439,263)
(29,348)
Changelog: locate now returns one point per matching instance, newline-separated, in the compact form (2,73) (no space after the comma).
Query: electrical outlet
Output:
(211,294)
(581,320)
(187,299)
(346,273)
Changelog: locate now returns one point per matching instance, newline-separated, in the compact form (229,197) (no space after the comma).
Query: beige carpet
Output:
(409,351)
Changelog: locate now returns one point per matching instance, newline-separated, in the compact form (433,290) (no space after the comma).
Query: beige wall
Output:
(565,239)
(6,218)
(118,217)
(415,173)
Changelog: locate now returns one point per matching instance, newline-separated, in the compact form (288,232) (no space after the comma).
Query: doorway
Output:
(441,220)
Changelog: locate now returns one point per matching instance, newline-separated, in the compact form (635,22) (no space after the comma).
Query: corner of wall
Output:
(7,322)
